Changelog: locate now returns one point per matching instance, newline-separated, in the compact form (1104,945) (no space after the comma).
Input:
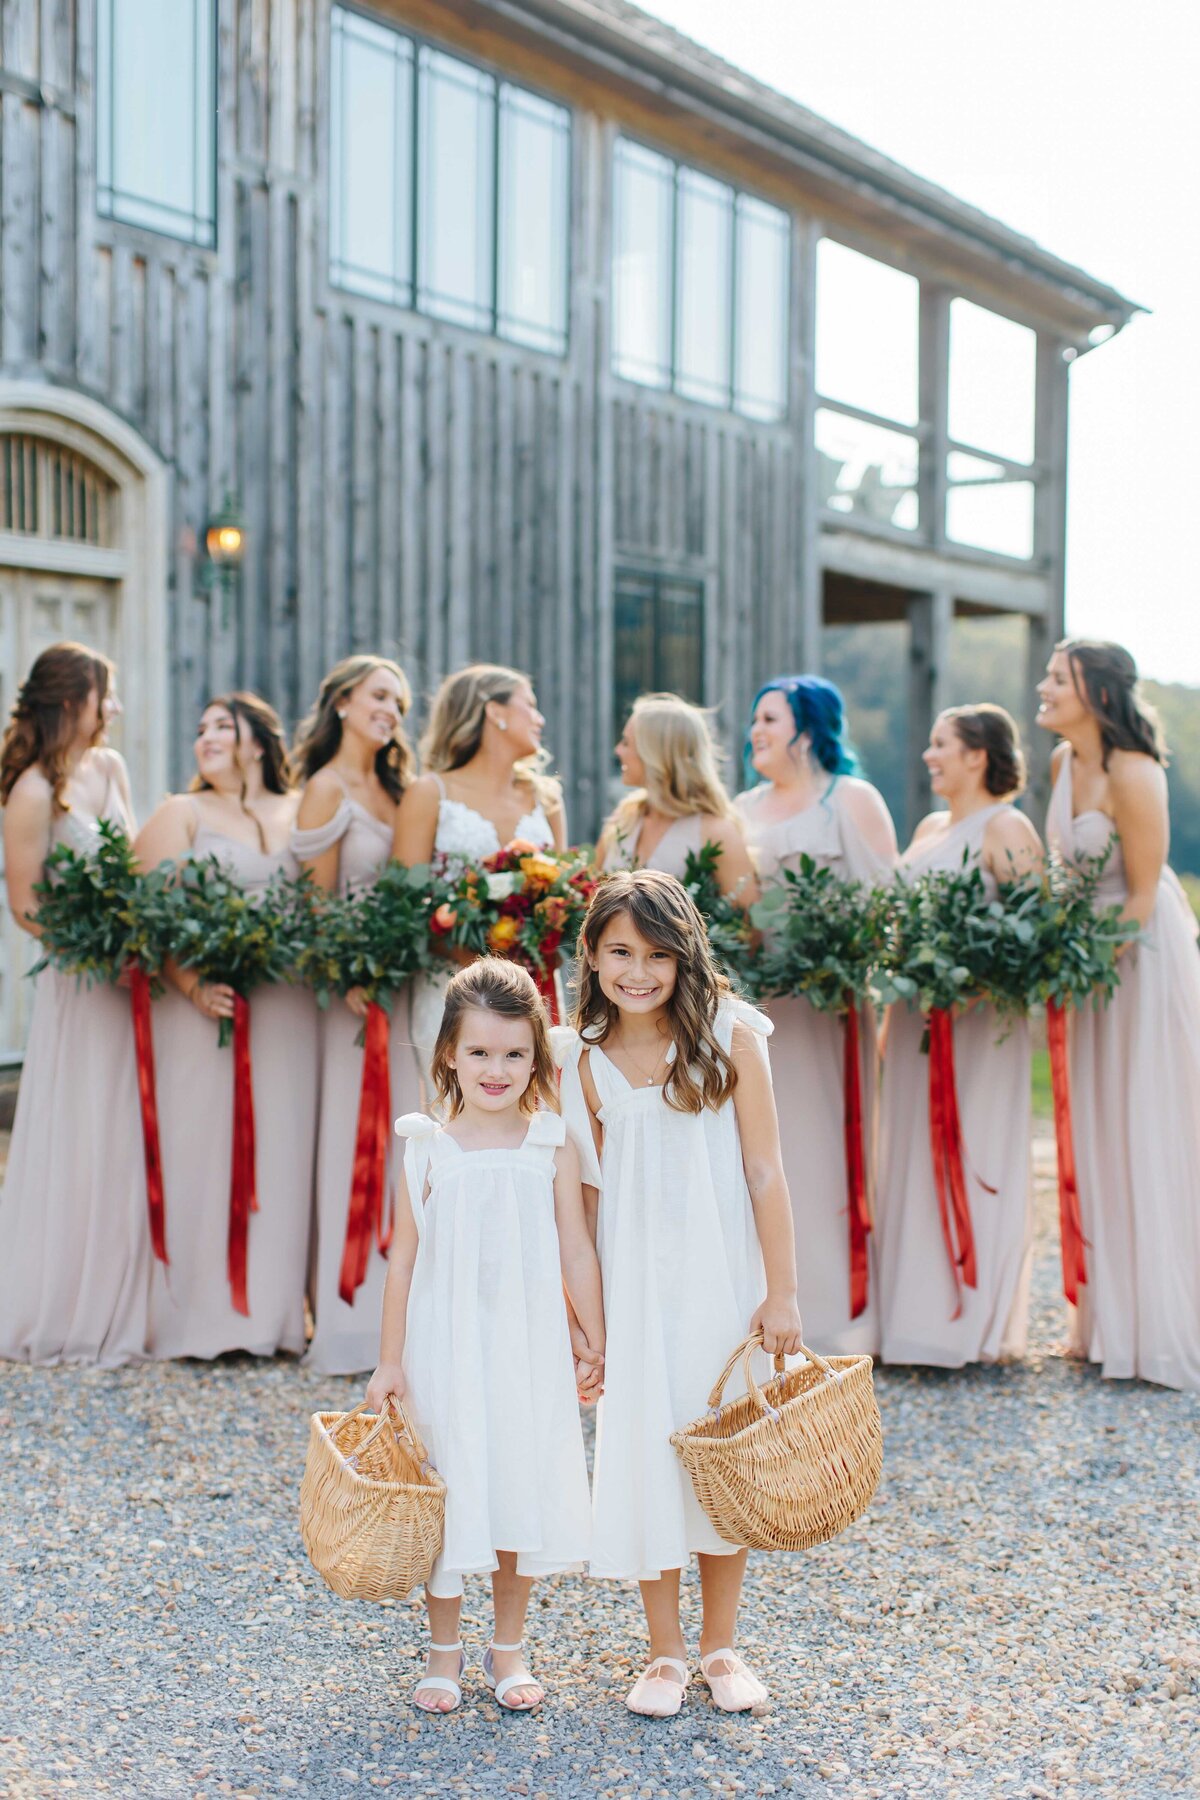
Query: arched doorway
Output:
(83,529)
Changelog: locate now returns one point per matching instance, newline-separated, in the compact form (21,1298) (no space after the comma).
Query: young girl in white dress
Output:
(475,1337)
(666,1090)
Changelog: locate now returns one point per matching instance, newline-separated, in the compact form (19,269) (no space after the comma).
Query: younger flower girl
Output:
(667,1092)
(475,1341)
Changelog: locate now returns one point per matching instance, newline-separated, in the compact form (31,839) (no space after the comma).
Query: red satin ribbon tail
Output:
(856,1161)
(548,989)
(937,1145)
(364,1215)
(243,1199)
(143,1044)
(1074,1260)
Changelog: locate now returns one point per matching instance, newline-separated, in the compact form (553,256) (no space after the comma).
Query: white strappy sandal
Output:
(507,1683)
(442,1684)
(654,1694)
(738,1688)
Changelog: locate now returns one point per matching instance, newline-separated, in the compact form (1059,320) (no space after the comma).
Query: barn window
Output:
(700,286)
(155,110)
(449,188)
(48,491)
(658,639)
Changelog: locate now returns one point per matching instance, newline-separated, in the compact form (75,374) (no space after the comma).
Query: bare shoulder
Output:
(566,1158)
(1134,776)
(111,764)
(32,791)
(175,809)
(722,831)
(1011,830)
(320,798)
(423,796)
(860,799)
(930,825)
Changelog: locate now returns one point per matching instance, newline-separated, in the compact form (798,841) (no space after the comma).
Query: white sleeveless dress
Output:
(992,1057)
(74,1237)
(463,837)
(487,1353)
(683,1275)
(1135,1097)
(346,1337)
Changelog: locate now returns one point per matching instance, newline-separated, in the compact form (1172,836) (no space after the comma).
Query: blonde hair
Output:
(664,913)
(320,735)
(458,716)
(682,763)
(505,988)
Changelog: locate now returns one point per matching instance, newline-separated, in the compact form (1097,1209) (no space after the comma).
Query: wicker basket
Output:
(372,1506)
(789,1466)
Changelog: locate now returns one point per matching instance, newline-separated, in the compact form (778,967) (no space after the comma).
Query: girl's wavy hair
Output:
(320,734)
(41,725)
(989,728)
(508,990)
(817,708)
(1106,680)
(664,913)
(682,762)
(266,728)
(458,716)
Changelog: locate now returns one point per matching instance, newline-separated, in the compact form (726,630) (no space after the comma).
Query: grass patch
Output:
(1043,1099)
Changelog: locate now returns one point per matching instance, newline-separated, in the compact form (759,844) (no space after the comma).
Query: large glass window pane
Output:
(643,226)
(763,244)
(865,471)
(680,639)
(534,220)
(867,333)
(993,365)
(455,272)
(371,159)
(986,508)
(703,303)
(154,115)
(658,640)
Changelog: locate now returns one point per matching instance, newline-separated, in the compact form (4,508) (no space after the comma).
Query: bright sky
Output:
(1077,123)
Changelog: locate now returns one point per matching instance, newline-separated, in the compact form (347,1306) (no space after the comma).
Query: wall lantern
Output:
(225,543)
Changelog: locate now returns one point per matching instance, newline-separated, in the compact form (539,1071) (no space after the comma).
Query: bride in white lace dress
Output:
(482,788)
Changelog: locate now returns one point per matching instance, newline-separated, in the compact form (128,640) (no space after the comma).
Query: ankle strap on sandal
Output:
(457,1645)
(519,1645)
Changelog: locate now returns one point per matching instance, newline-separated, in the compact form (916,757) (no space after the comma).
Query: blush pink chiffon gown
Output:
(1135,1100)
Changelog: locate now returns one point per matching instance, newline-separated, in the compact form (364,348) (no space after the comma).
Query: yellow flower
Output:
(539,871)
(503,934)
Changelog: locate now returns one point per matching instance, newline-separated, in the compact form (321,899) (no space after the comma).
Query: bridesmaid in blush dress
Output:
(1135,1064)
(810,802)
(74,1239)
(482,787)
(667,755)
(356,763)
(240,809)
(975,764)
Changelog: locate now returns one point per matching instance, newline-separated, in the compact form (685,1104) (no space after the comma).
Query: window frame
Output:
(421,46)
(655,578)
(737,194)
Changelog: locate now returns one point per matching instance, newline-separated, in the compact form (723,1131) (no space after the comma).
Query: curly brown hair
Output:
(320,734)
(41,725)
(1106,680)
(989,728)
(266,728)
(663,912)
(505,988)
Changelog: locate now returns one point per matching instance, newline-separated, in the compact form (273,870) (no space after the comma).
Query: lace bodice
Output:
(464,835)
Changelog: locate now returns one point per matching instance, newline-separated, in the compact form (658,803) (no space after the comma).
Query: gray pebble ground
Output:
(1017,1616)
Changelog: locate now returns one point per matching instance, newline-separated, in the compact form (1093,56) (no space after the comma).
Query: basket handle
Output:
(390,1405)
(744,1353)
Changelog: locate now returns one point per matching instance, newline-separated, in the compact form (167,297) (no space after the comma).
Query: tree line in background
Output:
(987,662)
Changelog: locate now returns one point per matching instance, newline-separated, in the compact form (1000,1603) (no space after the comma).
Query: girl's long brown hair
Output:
(320,734)
(266,728)
(494,985)
(664,913)
(41,725)
(1106,680)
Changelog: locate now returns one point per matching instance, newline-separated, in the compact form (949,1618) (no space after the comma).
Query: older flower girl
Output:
(475,1333)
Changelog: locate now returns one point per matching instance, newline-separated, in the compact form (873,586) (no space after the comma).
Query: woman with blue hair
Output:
(809,800)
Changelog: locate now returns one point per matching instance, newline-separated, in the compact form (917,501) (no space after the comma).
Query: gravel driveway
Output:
(1018,1614)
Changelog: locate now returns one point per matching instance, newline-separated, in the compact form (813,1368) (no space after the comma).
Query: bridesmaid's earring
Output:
(502,724)
(342,711)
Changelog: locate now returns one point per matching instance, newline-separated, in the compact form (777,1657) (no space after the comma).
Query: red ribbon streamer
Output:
(1074,1262)
(143,1045)
(243,1195)
(856,1160)
(548,989)
(945,1132)
(365,1217)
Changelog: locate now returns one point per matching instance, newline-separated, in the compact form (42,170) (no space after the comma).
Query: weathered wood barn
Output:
(517,329)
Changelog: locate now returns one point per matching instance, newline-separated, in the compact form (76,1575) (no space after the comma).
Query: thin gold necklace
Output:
(640,1067)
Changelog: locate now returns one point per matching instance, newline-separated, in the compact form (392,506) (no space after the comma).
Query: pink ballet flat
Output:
(736,1688)
(654,1694)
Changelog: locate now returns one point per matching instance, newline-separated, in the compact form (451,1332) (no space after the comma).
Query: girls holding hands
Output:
(490,1228)
(667,1093)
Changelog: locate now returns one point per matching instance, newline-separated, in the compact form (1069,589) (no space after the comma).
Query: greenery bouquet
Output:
(729,930)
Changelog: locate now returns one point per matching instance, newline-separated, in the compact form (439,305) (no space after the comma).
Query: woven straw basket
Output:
(790,1465)
(372,1506)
